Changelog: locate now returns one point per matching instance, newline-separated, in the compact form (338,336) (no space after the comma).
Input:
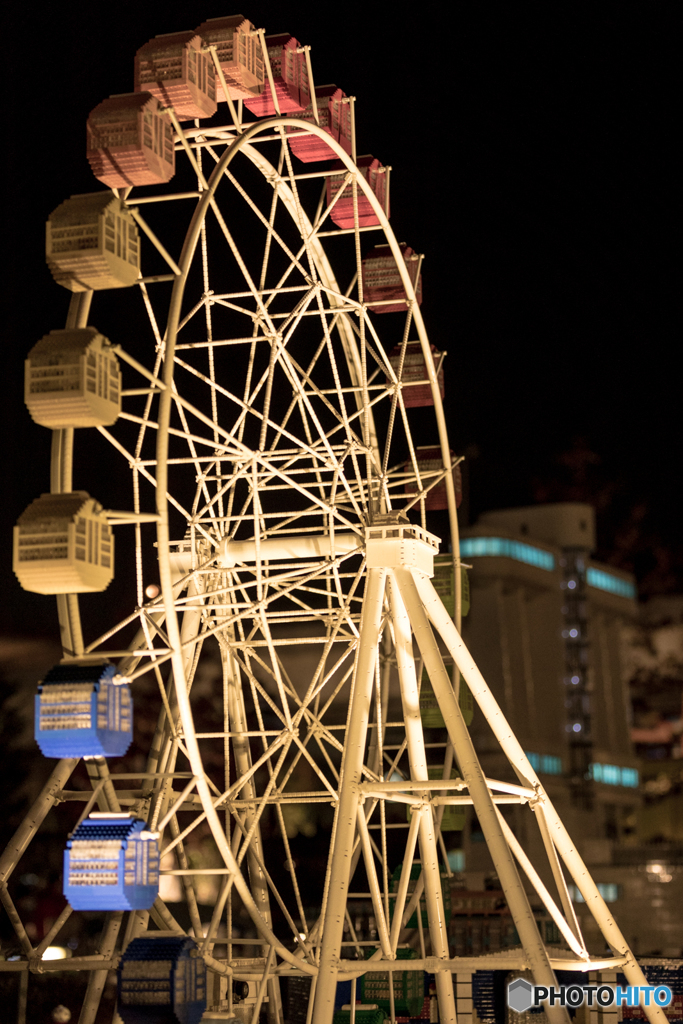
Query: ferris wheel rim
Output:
(163,537)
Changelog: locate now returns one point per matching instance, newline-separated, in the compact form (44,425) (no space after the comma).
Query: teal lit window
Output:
(608,890)
(456,860)
(546,764)
(551,765)
(613,775)
(629,777)
(501,547)
(602,580)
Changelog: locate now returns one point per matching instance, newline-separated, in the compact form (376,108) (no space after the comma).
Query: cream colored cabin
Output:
(92,242)
(63,544)
(72,379)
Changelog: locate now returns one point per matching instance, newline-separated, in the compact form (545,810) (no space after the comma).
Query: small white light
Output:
(576,727)
(56,953)
(152,591)
(573,632)
(571,584)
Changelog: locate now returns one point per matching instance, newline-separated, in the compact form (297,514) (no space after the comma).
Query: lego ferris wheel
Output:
(268,420)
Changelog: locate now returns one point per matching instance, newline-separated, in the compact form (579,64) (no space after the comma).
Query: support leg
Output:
(352,766)
(483,804)
(511,747)
(417,755)
(255,853)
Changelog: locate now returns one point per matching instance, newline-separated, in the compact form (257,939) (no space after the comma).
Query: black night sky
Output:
(530,146)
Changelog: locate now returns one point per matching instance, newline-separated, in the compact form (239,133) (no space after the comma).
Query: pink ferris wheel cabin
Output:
(430,466)
(130,142)
(383,289)
(334,111)
(173,68)
(410,368)
(342,213)
(290,78)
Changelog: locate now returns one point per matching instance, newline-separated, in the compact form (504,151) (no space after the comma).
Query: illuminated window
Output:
(602,580)
(456,860)
(501,547)
(608,890)
(613,775)
(546,764)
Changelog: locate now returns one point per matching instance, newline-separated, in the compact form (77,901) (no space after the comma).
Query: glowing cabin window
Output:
(502,547)
(602,580)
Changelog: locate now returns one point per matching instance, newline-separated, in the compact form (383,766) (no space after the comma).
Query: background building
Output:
(548,627)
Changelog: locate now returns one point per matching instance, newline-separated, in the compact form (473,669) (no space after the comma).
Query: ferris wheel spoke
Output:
(245,663)
(193,453)
(306,381)
(271,222)
(199,304)
(243,449)
(319,221)
(291,866)
(246,408)
(273,888)
(271,233)
(261,307)
(225,800)
(314,693)
(293,371)
(150,314)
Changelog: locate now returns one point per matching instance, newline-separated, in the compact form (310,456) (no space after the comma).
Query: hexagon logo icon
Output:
(520,995)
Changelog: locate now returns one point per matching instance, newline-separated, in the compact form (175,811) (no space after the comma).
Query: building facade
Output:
(545,628)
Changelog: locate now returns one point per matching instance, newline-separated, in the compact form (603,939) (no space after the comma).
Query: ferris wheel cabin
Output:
(72,379)
(383,290)
(81,712)
(342,213)
(175,69)
(130,141)
(239,54)
(92,242)
(334,113)
(430,465)
(290,78)
(411,369)
(111,862)
(63,544)
(161,979)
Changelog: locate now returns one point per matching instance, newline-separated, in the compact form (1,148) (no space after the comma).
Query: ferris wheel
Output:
(264,413)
